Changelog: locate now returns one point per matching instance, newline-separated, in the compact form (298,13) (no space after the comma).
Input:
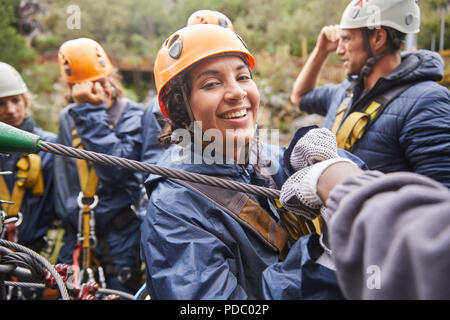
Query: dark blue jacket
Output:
(38,211)
(118,188)
(194,250)
(101,131)
(413,132)
(152,122)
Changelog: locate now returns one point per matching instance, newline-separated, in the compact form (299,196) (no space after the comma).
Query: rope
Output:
(159,170)
(42,286)
(59,281)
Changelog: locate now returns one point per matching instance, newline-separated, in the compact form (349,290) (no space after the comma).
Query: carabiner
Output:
(81,204)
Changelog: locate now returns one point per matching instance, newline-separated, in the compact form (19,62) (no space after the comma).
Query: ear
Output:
(379,40)
(26,100)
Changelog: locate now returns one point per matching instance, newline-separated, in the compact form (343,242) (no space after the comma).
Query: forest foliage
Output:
(278,32)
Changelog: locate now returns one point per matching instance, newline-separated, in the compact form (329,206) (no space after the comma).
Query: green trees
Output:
(12,43)
(279,32)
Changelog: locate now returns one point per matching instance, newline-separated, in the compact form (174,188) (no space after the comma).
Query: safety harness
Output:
(29,177)
(87,202)
(254,218)
(88,235)
(353,121)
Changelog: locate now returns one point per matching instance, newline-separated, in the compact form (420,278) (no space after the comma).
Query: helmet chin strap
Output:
(371,60)
(188,108)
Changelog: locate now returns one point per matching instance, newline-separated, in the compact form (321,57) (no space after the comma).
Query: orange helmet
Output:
(190,45)
(210,17)
(83,59)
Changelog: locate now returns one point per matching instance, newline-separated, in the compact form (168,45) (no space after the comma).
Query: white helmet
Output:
(401,15)
(11,83)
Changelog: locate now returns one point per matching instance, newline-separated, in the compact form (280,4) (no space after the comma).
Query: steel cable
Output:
(59,281)
(155,169)
(42,286)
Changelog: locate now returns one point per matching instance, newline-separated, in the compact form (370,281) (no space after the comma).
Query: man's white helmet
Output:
(401,15)
(11,83)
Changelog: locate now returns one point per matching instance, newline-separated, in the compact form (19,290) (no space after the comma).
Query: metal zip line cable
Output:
(134,165)
(59,281)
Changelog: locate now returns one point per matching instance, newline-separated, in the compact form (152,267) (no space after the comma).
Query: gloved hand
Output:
(299,192)
(315,146)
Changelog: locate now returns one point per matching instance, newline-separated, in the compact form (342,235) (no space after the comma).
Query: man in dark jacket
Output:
(389,112)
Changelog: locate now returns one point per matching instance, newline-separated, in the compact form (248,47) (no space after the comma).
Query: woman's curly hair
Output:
(176,106)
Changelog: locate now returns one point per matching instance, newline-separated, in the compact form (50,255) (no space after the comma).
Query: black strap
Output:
(384,100)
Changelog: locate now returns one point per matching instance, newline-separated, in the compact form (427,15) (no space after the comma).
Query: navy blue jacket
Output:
(38,211)
(118,188)
(194,250)
(413,132)
(152,122)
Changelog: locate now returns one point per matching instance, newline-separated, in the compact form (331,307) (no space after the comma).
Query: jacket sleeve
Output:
(183,256)
(299,276)
(390,236)
(425,134)
(318,100)
(124,141)
(151,129)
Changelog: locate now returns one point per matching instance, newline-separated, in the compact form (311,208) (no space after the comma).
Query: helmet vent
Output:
(175,47)
(223,23)
(409,19)
(174,38)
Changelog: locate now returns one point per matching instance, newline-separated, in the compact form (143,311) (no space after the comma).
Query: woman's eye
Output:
(244,77)
(209,85)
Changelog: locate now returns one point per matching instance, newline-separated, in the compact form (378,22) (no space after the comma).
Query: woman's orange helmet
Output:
(210,17)
(82,60)
(190,45)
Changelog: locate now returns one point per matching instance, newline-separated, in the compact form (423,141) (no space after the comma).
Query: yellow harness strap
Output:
(297,226)
(87,176)
(88,184)
(29,176)
(354,125)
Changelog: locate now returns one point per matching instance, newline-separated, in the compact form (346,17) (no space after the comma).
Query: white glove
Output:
(299,192)
(315,146)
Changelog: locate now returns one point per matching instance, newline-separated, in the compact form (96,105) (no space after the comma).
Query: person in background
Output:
(30,186)
(390,112)
(99,118)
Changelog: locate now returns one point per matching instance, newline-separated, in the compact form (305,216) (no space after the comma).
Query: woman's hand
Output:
(88,92)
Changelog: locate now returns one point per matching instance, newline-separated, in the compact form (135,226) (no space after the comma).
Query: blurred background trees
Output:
(279,32)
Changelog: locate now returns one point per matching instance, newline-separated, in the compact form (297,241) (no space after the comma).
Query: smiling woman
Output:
(201,242)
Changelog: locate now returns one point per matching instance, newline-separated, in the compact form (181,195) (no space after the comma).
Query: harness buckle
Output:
(81,198)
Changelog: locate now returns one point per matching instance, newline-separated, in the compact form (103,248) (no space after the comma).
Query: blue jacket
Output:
(413,132)
(194,250)
(152,121)
(118,188)
(110,132)
(38,211)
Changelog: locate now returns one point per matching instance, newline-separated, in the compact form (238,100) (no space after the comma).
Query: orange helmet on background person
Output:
(82,60)
(190,45)
(210,17)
